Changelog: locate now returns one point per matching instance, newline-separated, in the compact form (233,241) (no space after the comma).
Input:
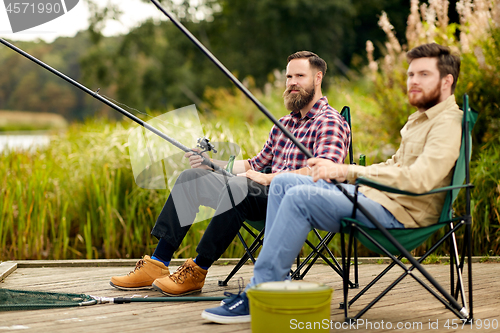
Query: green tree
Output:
(260,35)
(28,87)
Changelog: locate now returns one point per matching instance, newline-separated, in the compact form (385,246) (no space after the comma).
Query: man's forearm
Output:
(241,166)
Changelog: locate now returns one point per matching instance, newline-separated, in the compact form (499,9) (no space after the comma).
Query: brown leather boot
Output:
(142,277)
(188,279)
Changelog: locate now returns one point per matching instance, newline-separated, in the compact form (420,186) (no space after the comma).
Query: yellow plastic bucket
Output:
(290,307)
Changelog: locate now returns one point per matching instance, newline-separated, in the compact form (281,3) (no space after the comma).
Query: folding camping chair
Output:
(256,230)
(392,242)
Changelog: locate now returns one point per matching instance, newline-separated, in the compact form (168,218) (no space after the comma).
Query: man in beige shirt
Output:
(430,145)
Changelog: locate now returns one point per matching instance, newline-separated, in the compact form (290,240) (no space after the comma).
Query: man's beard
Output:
(297,101)
(426,102)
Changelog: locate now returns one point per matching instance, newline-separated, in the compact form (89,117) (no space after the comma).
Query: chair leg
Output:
(249,251)
(460,282)
(316,253)
(356,280)
(381,275)
(453,261)
(236,268)
(347,271)
(296,275)
(345,278)
(448,301)
(468,240)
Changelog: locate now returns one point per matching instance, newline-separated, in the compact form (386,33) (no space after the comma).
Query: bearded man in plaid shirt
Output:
(319,127)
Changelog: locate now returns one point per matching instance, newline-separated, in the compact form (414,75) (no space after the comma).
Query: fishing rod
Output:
(123,300)
(306,152)
(203,143)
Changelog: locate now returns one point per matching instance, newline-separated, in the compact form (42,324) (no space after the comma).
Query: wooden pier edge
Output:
(7,267)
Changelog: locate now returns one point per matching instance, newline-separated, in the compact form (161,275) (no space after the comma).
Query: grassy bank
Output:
(77,198)
(30,121)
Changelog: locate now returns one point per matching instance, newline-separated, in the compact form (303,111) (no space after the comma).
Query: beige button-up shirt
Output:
(430,145)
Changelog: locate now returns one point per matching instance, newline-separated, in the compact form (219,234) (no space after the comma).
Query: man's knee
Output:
(283,183)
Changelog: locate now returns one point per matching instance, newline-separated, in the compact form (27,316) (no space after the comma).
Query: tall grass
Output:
(77,197)
(485,176)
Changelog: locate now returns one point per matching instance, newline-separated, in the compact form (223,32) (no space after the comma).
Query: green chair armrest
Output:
(385,188)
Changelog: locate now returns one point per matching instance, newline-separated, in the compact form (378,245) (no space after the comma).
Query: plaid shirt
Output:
(323,131)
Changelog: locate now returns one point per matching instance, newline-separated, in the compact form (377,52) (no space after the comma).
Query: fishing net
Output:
(11,300)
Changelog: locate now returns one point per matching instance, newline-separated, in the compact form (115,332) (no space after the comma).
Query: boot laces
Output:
(182,273)
(138,266)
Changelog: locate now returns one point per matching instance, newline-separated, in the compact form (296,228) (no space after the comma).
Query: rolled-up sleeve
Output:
(332,141)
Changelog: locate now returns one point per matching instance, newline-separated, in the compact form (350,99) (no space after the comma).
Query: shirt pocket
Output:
(413,148)
(412,151)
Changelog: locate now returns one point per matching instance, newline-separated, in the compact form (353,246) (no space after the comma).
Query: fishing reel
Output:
(205,145)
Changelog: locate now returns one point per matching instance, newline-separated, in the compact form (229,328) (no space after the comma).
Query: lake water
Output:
(23,141)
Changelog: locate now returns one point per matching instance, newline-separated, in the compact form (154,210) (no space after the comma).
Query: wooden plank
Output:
(222,261)
(6,268)
(416,306)
(106,262)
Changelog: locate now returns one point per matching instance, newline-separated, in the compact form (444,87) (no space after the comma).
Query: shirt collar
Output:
(315,110)
(436,109)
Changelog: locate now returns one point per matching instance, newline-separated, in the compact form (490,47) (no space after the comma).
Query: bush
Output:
(478,44)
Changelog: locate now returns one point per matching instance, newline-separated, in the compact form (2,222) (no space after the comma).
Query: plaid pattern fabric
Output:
(323,131)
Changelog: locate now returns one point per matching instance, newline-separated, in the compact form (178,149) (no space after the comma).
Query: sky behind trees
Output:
(133,13)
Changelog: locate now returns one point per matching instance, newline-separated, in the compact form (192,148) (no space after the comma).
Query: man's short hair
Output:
(315,61)
(448,63)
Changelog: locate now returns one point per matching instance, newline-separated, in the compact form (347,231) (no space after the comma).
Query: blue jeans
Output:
(296,205)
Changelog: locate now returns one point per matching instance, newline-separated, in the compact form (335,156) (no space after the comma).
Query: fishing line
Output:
(123,104)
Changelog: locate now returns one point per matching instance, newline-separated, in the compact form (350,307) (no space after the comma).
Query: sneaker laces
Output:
(182,272)
(231,297)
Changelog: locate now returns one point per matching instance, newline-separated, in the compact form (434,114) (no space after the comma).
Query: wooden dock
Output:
(409,306)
